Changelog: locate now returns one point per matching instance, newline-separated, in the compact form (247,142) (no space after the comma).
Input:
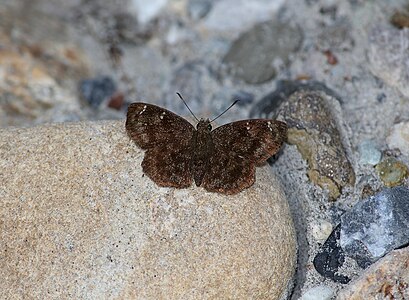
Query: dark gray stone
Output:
(330,258)
(251,56)
(376,226)
(96,90)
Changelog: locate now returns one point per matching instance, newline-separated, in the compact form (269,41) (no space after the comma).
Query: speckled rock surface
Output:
(313,128)
(78,220)
(386,279)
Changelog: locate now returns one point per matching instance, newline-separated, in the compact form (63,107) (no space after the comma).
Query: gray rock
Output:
(238,15)
(199,8)
(376,226)
(253,55)
(399,137)
(388,56)
(186,80)
(314,125)
(368,153)
(79,220)
(268,106)
(336,37)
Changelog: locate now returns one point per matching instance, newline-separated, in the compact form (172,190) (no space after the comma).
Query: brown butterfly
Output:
(221,160)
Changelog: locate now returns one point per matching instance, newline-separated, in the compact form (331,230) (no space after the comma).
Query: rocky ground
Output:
(336,71)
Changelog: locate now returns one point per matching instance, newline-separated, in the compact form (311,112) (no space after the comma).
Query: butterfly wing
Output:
(238,148)
(167,139)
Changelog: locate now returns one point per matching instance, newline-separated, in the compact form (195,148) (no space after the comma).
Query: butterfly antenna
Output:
(180,96)
(231,105)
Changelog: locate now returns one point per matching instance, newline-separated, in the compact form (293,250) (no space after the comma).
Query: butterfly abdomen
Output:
(203,148)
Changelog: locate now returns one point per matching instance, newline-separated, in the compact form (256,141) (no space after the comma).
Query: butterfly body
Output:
(221,160)
(202,142)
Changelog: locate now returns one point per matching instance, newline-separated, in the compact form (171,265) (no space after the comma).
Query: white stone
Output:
(399,138)
(321,229)
(147,10)
(320,292)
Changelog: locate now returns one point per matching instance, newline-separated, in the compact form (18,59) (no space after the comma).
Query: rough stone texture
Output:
(386,279)
(251,55)
(388,56)
(369,153)
(376,226)
(315,131)
(392,172)
(399,137)
(79,220)
(238,15)
(29,90)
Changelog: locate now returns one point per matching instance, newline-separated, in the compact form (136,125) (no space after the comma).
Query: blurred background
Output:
(68,61)
(77,60)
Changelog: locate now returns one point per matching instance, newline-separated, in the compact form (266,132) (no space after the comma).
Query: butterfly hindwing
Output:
(167,138)
(238,148)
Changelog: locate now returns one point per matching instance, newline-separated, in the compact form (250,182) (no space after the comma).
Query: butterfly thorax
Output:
(202,149)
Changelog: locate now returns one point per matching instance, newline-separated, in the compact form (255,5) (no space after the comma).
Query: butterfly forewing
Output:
(238,148)
(150,125)
(252,140)
(168,141)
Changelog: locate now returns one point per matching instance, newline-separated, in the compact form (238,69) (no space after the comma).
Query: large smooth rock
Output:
(79,220)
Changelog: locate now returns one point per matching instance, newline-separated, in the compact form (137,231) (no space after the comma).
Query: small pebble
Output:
(392,171)
(147,10)
(320,292)
(399,138)
(250,57)
(116,101)
(96,90)
(330,258)
(400,19)
(368,153)
(321,229)
(199,8)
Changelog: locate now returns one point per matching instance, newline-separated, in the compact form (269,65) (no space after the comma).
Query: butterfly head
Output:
(204,125)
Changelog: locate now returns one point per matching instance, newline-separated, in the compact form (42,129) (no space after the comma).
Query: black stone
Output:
(330,258)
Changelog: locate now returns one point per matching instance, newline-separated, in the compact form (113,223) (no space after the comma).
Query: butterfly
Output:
(222,160)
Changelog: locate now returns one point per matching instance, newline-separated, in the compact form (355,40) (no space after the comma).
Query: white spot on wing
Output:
(143,110)
(269,126)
